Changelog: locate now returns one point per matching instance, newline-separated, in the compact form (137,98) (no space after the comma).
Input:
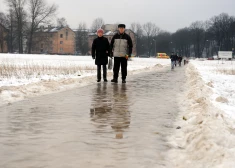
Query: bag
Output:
(110,64)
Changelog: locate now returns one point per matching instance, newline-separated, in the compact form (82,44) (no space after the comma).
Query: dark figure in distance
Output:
(180,58)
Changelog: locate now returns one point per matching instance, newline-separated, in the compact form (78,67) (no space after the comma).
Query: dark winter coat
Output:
(180,59)
(121,45)
(174,57)
(100,50)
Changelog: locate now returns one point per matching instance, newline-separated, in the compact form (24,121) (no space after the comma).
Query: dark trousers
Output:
(180,63)
(99,72)
(120,61)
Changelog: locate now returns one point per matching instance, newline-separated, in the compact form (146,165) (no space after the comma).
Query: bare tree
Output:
(3,19)
(198,37)
(222,27)
(3,25)
(18,10)
(62,22)
(151,31)
(138,30)
(82,39)
(96,24)
(163,42)
(181,42)
(39,13)
(12,32)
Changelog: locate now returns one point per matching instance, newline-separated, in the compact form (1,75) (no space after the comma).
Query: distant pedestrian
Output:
(185,60)
(121,50)
(180,58)
(100,52)
(173,60)
(176,59)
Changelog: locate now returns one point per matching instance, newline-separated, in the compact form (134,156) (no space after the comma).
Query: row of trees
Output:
(200,38)
(24,17)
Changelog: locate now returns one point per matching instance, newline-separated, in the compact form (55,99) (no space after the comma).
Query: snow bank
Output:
(24,76)
(206,127)
(220,76)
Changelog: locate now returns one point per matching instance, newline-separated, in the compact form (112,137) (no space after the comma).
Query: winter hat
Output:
(100,31)
(122,26)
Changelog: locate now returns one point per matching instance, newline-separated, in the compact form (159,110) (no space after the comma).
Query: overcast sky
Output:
(169,15)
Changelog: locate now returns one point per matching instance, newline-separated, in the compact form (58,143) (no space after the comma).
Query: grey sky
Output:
(167,14)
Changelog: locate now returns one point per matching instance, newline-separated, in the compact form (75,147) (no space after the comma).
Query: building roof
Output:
(110,33)
(84,30)
(51,29)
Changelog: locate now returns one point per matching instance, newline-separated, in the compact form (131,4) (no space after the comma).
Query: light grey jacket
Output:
(121,45)
(120,48)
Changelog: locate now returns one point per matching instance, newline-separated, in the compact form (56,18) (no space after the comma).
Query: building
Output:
(109,31)
(3,39)
(54,40)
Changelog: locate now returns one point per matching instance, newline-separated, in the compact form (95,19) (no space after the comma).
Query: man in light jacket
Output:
(121,49)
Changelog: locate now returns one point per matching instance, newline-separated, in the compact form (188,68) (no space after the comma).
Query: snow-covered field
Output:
(206,124)
(23,76)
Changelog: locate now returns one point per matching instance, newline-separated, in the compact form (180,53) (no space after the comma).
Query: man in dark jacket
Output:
(121,50)
(100,52)
(174,58)
(180,60)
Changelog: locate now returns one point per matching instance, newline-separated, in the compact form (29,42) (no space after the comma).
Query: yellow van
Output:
(163,56)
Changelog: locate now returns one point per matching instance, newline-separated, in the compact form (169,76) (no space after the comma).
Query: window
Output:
(61,42)
(51,35)
(61,49)
(41,45)
(61,35)
(67,34)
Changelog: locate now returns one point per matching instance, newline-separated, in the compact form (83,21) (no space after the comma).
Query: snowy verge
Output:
(25,76)
(205,134)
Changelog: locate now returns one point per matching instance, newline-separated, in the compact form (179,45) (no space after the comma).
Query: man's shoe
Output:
(98,80)
(105,80)
(114,81)
(124,81)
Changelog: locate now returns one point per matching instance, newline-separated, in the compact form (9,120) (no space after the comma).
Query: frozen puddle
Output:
(101,125)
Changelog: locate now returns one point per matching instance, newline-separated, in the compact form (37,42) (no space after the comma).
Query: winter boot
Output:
(114,81)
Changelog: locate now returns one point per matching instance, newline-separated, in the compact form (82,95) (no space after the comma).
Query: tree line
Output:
(24,17)
(200,38)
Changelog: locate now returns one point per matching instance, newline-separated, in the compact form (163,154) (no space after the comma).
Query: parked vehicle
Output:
(163,56)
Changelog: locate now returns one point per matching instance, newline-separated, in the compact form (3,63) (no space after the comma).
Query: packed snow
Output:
(24,75)
(205,127)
